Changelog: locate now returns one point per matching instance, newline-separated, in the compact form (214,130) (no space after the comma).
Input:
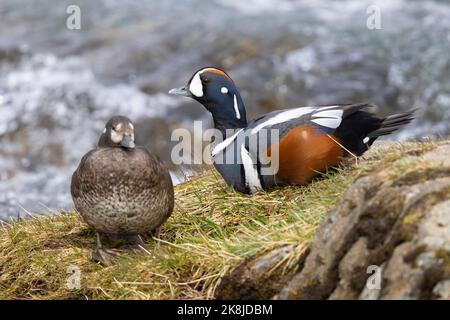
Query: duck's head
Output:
(215,90)
(118,132)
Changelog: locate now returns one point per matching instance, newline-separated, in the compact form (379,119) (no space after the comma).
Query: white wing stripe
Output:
(328,122)
(319,116)
(283,117)
(327,108)
(328,114)
(328,118)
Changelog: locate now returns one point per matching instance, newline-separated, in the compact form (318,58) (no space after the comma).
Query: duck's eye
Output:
(206,80)
(224,90)
(117,127)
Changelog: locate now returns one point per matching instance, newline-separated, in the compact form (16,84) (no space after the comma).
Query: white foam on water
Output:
(59,110)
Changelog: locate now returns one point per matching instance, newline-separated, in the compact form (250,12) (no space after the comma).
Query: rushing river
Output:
(59,86)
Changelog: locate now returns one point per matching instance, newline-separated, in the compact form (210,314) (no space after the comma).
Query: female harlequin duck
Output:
(120,189)
(286,147)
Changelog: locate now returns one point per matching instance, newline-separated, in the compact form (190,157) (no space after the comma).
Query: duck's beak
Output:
(183,91)
(127,142)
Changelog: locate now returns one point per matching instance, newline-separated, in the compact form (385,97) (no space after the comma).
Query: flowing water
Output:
(59,86)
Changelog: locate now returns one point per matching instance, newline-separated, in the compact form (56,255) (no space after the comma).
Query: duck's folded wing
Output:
(271,128)
(325,118)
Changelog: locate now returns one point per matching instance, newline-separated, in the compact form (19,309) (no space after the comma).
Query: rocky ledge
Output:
(388,238)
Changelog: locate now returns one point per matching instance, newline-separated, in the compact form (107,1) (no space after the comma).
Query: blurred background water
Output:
(59,86)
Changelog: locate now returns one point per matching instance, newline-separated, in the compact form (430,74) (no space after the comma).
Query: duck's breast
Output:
(122,191)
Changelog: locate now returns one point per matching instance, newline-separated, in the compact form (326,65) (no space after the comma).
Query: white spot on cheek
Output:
(366,139)
(196,86)
(104,130)
(115,137)
(224,90)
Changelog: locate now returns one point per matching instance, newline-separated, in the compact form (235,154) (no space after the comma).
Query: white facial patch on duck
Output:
(236,107)
(116,137)
(224,90)
(251,173)
(366,139)
(196,86)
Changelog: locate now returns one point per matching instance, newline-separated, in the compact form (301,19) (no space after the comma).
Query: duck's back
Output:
(122,191)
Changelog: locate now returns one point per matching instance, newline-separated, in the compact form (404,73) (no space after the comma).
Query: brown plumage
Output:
(122,190)
(303,152)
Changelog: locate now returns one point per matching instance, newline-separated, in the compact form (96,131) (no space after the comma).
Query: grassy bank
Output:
(211,231)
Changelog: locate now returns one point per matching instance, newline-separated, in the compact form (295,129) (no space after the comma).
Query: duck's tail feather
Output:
(361,128)
(393,123)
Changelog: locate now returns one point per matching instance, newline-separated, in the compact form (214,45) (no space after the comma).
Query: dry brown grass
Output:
(213,228)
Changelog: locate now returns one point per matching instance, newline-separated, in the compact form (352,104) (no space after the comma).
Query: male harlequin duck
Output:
(120,189)
(306,140)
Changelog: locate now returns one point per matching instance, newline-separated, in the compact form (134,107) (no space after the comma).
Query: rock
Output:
(256,278)
(442,290)
(397,220)
(388,238)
